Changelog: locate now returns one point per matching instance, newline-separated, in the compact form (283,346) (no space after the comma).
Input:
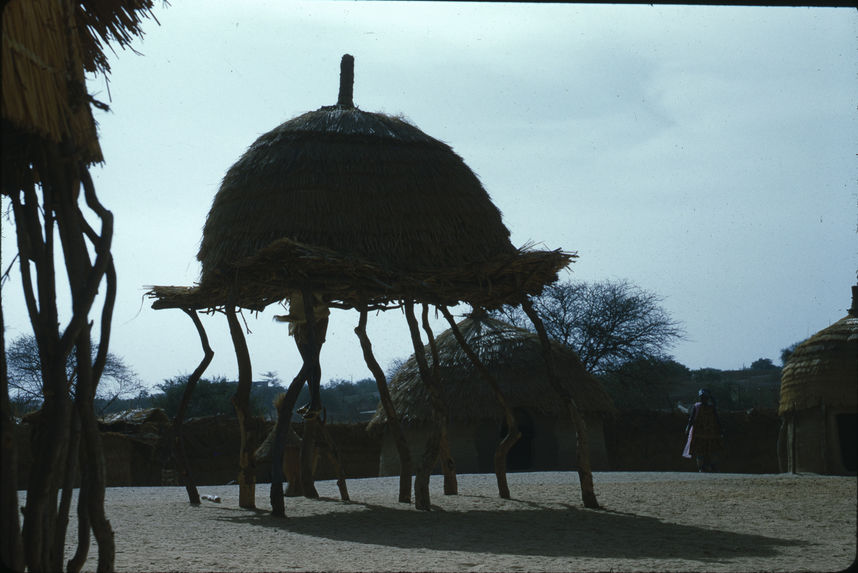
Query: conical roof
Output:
(514,357)
(824,368)
(360,207)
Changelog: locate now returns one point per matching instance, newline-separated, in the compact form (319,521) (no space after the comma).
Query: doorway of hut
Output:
(847,430)
(520,457)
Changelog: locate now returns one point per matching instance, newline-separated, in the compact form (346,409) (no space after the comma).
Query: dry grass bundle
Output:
(823,369)
(514,356)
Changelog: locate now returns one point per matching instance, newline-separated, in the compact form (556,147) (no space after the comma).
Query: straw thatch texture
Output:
(362,208)
(514,357)
(47,45)
(361,184)
(43,75)
(823,369)
(273,273)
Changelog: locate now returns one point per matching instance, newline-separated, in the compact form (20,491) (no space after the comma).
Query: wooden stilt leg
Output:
(513,434)
(178,439)
(308,451)
(387,403)
(285,404)
(448,465)
(585,473)
(241,403)
(334,457)
(430,454)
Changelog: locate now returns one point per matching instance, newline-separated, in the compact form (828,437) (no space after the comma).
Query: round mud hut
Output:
(513,356)
(819,401)
(342,208)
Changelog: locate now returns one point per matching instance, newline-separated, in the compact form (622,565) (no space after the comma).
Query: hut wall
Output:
(464,447)
(640,440)
(822,440)
(130,462)
(809,441)
(359,452)
(546,444)
(471,445)
(567,442)
(388,463)
(212,446)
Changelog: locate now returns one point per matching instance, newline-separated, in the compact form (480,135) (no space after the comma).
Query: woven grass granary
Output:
(366,212)
(819,400)
(476,420)
(364,208)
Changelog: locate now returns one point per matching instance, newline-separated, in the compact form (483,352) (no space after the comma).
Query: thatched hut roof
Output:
(47,46)
(824,368)
(357,206)
(514,356)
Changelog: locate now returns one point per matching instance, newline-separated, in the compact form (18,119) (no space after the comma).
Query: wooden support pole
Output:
(448,465)
(85,276)
(513,434)
(387,403)
(433,443)
(314,375)
(241,402)
(11,545)
(585,473)
(308,457)
(285,405)
(178,439)
(336,460)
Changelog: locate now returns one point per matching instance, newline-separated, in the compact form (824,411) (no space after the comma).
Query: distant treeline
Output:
(345,401)
(637,385)
(662,384)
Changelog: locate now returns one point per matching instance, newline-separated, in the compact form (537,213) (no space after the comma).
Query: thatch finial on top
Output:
(853,310)
(347,80)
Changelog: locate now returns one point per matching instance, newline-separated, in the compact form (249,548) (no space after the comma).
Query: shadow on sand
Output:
(532,530)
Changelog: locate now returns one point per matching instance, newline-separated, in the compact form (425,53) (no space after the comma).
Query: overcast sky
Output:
(707,154)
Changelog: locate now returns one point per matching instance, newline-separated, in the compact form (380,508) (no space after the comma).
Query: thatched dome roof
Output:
(514,356)
(361,184)
(358,205)
(824,368)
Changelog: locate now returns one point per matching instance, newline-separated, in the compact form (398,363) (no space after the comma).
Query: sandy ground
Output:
(649,522)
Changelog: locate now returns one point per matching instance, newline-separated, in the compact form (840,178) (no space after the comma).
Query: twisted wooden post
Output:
(448,465)
(436,435)
(387,403)
(241,402)
(513,434)
(178,420)
(585,473)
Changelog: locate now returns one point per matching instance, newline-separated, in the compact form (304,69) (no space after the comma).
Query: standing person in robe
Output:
(704,432)
(307,347)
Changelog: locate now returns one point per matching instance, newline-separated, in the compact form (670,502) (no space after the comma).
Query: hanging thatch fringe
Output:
(286,265)
(47,46)
(43,84)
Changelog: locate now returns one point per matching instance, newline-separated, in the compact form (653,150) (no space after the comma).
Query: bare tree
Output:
(25,375)
(608,323)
